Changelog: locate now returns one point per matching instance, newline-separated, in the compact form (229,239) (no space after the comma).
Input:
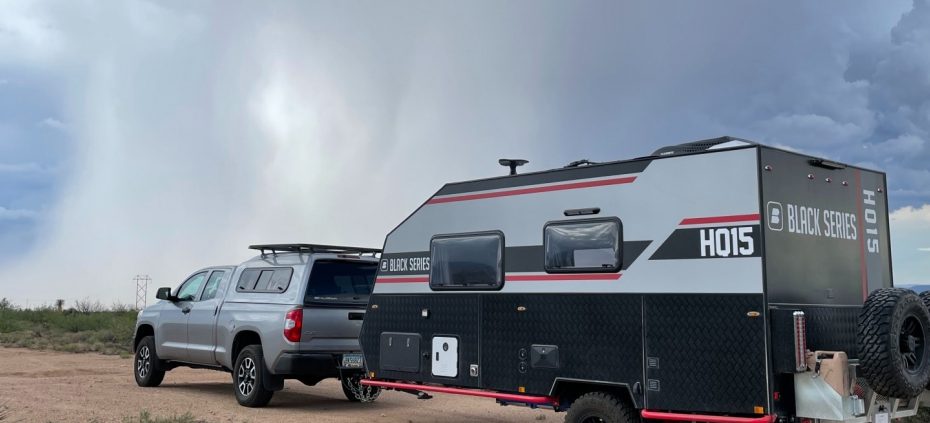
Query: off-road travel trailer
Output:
(716,281)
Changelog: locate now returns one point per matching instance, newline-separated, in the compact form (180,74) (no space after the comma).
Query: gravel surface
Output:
(40,386)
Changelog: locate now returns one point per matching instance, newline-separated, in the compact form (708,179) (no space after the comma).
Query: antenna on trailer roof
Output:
(513,164)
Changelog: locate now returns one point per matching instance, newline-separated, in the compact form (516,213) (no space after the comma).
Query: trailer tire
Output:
(603,407)
(894,327)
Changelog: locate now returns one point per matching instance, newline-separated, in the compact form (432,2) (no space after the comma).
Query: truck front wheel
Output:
(601,407)
(147,366)
(248,376)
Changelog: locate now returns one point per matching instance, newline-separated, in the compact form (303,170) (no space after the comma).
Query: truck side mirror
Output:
(165,294)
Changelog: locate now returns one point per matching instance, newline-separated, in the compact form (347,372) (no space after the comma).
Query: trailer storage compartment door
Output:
(706,353)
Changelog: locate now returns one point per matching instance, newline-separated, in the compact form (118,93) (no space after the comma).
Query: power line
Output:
(142,290)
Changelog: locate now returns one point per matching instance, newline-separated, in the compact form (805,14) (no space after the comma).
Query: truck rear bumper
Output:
(307,364)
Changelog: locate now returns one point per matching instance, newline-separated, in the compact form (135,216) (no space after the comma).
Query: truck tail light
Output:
(800,341)
(293,324)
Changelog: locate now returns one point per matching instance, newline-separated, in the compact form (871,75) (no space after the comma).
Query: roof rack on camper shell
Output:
(312,248)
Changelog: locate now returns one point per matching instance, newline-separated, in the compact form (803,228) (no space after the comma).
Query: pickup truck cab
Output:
(293,312)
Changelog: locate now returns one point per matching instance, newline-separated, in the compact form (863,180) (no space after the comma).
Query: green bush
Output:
(107,332)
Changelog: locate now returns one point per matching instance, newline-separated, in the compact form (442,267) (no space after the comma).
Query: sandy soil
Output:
(43,386)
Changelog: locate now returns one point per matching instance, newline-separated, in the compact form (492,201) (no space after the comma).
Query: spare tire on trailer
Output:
(893,331)
(925,297)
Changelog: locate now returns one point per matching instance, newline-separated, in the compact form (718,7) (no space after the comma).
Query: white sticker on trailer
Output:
(881,418)
(445,356)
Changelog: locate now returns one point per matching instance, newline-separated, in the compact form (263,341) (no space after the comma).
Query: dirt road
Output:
(42,386)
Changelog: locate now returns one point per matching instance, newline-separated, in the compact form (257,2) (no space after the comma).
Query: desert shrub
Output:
(146,417)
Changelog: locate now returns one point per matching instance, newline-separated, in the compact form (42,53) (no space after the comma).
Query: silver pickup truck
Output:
(293,312)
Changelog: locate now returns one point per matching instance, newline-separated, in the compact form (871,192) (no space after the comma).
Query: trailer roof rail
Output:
(312,248)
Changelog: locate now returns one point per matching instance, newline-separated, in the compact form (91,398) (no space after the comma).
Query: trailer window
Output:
(469,261)
(592,245)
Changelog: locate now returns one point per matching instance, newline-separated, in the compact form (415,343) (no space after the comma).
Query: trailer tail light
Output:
(800,341)
(293,324)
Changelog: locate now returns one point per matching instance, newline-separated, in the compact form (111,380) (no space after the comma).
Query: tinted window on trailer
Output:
(583,246)
(334,281)
(472,261)
(274,279)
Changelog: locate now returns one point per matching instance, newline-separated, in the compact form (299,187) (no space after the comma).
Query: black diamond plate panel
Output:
(711,354)
(832,328)
(449,315)
(829,328)
(599,337)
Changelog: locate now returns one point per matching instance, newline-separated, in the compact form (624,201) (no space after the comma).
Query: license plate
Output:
(355,361)
(881,418)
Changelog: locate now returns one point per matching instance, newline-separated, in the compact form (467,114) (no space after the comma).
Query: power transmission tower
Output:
(142,290)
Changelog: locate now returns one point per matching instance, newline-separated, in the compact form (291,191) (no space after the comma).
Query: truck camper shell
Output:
(673,281)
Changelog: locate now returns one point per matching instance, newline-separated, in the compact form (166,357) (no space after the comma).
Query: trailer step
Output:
(704,418)
(528,399)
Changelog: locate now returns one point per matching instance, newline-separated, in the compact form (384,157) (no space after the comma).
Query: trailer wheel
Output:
(601,407)
(893,331)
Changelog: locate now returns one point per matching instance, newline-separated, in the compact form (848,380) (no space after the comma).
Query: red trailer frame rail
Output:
(527,399)
(704,418)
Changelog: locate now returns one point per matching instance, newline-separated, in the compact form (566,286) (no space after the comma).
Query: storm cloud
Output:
(193,130)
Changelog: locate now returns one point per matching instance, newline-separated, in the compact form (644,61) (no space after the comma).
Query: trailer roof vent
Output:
(513,164)
(702,145)
(579,163)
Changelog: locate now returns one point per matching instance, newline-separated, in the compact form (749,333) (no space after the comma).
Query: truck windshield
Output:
(340,282)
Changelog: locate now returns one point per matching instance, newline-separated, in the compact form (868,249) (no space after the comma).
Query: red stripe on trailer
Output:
(703,418)
(526,399)
(534,190)
(863,265)
(403,280)
(565,277)
(721,219)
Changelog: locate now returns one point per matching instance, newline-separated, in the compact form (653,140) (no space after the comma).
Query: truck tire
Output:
(248,378)
(146,365)
(356,392)
(894,326)
(601,407)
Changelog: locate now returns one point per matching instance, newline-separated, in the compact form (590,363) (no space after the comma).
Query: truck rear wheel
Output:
(601,407)
(356,392)
(249,375)
(147,366)
(893,331)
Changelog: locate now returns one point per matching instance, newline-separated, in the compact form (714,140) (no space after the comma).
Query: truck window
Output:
(209,291)
(191,287)
(469,261)
(340,282)
(591,245)
(265,279)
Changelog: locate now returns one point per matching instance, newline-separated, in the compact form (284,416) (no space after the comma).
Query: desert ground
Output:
(42,386)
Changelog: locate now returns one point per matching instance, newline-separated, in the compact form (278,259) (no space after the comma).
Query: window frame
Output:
(219,282)
(199,292)
(557,270)
(501,265)
(290,279)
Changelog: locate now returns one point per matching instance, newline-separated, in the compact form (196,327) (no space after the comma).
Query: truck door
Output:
(201,325)
(171,334)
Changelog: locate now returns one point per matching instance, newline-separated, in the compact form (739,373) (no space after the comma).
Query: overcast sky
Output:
(159,137)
